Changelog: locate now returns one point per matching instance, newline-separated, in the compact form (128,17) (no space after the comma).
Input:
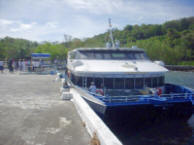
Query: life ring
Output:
(159,91)
(100,91)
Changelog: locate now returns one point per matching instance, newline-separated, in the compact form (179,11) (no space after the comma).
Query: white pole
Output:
(111,36)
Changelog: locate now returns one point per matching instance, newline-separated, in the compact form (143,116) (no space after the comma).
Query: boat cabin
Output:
(130,81)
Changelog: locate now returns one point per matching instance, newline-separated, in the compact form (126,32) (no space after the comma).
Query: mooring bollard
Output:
(66,96)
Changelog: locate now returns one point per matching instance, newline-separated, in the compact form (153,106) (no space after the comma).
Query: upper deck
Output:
(112,61)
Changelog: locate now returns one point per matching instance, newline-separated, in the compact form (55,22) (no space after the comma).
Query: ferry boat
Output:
(125,82)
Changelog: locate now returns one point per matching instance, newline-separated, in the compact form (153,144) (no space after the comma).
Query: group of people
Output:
(20,65)
(94,90)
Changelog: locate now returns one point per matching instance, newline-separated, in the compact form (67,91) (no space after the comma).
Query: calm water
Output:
(160,132)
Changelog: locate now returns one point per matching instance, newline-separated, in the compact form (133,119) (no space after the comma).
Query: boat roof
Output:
(111,49)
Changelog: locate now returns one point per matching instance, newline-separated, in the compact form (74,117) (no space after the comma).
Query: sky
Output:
(49,20)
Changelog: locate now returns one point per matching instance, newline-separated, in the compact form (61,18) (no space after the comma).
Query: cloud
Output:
(127,7)
(51,30)
(51,19)
(20,27)
(93,6)
(32,31)
(51,24)
(5,22)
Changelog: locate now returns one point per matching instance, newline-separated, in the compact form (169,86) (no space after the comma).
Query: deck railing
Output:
(136,98)
(145,98)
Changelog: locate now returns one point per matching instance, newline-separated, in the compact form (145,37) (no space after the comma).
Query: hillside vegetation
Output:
(172,42)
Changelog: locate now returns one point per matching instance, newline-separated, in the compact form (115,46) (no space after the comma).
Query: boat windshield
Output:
(112,55)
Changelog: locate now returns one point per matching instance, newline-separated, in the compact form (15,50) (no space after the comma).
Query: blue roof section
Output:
(42,55)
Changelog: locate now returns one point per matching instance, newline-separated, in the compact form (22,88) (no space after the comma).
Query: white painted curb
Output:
(93,123)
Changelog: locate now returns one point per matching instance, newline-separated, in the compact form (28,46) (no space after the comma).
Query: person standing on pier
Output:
(20,64)
(10,65)
(1,66)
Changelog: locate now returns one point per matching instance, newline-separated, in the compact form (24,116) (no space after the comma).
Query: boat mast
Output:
(110,30)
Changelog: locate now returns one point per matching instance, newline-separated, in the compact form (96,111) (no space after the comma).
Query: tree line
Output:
(172,42)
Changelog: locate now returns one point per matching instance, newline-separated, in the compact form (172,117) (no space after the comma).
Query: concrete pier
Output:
(32,113)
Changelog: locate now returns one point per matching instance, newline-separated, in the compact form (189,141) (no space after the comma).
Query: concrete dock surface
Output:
(32,113)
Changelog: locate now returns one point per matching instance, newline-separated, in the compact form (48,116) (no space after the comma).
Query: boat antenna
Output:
(110,30)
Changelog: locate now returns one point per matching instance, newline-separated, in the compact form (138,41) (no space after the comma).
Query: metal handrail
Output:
(148,97)
(144,97)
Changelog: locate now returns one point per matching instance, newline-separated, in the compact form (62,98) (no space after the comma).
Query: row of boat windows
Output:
(119,83)
(109,55)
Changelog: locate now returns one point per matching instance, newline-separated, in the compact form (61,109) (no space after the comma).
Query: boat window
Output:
(87,55)
(98,56)
(113,55)
(72,55)
(98,82)
(89,80)
(73,78)
(119,83)
(161,81)
(118,56)
(76,80)
(143,56)
(79,81)
(139,83)
(137,56)
(129,83)
(131,56)
(90,55)
(148,82)
(81,55)
(107,56)
(108,83)
(154,82)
